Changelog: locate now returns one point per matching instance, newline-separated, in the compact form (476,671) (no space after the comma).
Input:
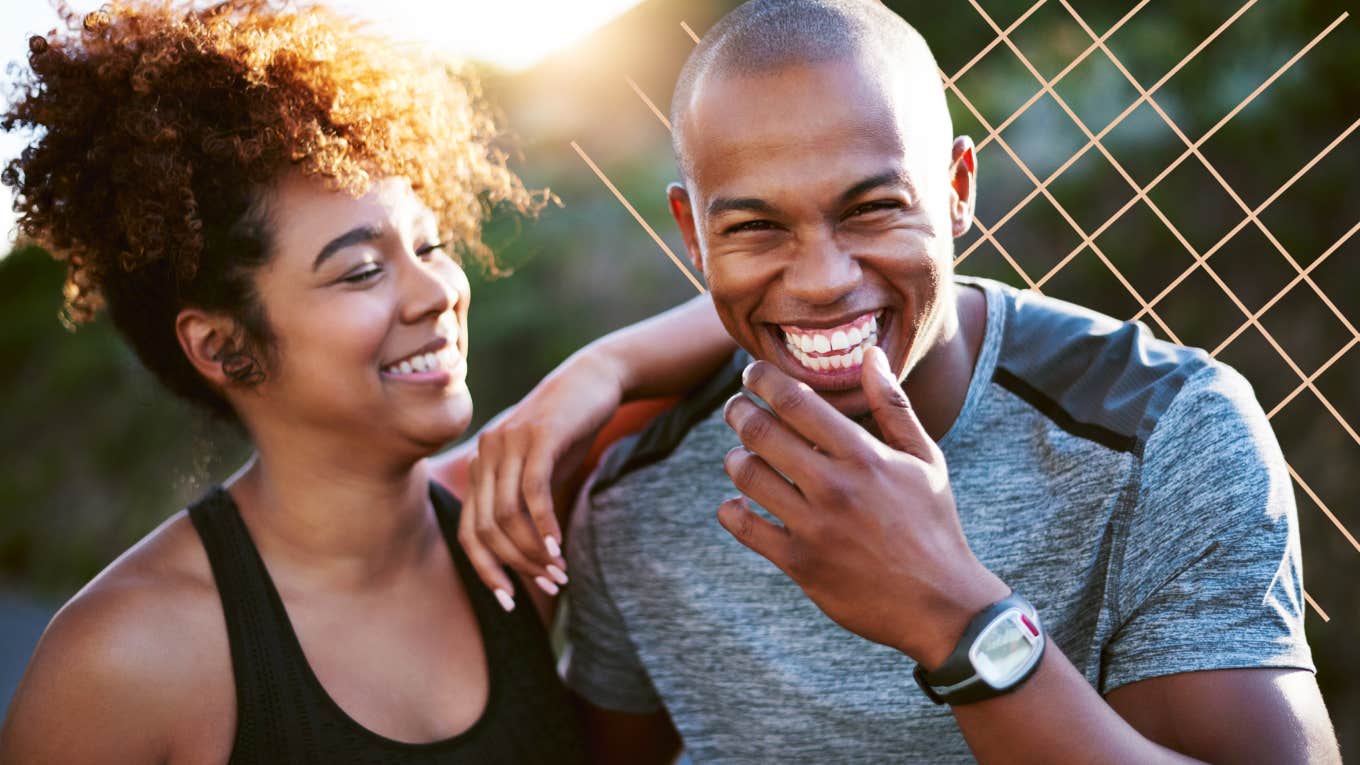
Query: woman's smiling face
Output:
(368,311)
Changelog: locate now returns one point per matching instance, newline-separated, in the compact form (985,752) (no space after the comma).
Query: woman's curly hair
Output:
(160,124)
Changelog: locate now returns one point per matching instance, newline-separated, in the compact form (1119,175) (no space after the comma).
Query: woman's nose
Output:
(425,291)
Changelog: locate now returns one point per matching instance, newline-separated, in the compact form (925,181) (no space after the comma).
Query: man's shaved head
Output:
(823,189)
(761,36)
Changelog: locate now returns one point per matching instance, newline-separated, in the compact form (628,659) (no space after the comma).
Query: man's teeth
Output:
(845,360)
(424,362)
(848,344)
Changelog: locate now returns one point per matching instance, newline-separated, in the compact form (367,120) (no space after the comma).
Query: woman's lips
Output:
(439,369)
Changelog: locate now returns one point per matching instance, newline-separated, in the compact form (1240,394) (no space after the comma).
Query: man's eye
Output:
(362,276)
(871,207)
(750,225)
(430,249)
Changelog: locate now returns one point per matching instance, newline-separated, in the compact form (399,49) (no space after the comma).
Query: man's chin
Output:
(842,391)
(852,402)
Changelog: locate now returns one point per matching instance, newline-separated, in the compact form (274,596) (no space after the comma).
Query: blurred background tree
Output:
(95,455)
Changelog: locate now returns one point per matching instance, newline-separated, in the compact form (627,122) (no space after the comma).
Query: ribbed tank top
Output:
(284,715)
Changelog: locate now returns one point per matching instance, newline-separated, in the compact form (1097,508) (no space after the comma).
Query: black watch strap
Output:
(957,670)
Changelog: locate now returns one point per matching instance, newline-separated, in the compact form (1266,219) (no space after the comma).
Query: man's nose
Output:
(822,272)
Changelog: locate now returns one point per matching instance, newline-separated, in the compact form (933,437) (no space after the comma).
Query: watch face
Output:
(1003,650)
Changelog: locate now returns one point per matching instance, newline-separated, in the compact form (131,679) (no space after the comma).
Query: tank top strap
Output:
(271,714)
(499,626)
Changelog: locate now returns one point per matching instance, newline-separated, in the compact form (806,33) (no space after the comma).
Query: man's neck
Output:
(938,386)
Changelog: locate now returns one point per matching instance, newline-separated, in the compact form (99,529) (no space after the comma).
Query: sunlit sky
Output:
(513,34)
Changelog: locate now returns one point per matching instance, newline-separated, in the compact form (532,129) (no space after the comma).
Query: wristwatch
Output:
(998,652)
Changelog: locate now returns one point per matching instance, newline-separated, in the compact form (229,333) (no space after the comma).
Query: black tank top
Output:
(284,715)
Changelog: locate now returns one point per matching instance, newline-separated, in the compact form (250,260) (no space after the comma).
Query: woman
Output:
(271,205)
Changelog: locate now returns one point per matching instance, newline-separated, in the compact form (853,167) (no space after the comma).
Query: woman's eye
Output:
(430,249)
(362,276)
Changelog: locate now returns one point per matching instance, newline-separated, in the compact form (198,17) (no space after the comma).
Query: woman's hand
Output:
(509,514)
(515,478)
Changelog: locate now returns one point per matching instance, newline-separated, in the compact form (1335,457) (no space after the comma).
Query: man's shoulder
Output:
(1213,449)
(663,436)
(1102,378)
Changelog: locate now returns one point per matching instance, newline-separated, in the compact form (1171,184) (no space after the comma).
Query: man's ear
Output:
(204,337)
(678,197)
(962,185)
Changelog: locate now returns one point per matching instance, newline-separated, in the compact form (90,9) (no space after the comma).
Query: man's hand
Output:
(870,531)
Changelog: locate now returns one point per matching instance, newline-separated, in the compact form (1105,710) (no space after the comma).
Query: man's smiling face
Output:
(818,207)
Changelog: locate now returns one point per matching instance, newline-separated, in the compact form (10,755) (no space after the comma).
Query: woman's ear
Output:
(206,338)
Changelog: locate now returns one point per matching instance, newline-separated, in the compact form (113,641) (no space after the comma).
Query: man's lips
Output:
(830,338)
(826,355)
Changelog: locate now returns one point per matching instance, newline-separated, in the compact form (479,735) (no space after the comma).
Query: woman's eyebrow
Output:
(355,235)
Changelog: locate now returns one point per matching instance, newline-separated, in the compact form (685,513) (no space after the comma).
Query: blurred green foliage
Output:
(95,454)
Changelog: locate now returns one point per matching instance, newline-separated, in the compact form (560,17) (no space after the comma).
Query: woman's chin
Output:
(443,424)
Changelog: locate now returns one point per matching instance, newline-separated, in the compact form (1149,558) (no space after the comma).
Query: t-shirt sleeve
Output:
(603,664)
(1210,576)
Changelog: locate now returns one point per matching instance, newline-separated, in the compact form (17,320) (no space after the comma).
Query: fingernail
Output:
(545,585)
(507,602)
(746,373)
(554,549)
(557,574)
(878,362)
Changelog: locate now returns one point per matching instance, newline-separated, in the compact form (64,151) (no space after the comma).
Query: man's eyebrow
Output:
(353,236)
(894,177)
(728,204)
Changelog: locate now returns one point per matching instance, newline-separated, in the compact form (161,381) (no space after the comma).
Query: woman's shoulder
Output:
(148,609)
(129,655)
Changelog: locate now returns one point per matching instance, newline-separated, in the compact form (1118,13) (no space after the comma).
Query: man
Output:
(1129,491)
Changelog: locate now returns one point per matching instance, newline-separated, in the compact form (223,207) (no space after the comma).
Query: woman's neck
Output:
(332,523)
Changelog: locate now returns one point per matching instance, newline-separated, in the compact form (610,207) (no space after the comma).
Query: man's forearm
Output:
(1056,716)
(667,354)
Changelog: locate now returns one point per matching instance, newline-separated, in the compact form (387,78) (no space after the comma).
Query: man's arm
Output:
(625,719)
(619,738)
(1275,715)
(1220,716)
(870,532)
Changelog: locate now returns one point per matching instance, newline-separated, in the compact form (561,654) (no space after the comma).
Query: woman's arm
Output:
(507,480)
(668,354)
(92,692)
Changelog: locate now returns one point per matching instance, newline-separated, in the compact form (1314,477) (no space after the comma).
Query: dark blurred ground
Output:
(95,455)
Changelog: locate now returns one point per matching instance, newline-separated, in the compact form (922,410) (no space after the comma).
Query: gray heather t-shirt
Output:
(1130,488)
